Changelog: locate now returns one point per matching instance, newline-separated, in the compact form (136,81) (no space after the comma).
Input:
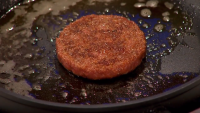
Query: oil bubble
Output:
(152,3)
(145,25)
(123,4)
(74,99)
(22,68)
(109,91)
(163,45)
(147,37)
(70,19)
(83,93)
(139,5)
(150,85)
(107,10)
(166,13)
(74,13)
(146,12)
(166,19)
(169,38)
(65,94)
(137,94)
(31,72)
(36,87)
(159,27)
(140,21)
(28,56)
(169,5)
(176,12)
(160,77)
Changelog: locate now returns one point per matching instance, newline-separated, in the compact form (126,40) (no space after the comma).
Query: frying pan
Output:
(167,77)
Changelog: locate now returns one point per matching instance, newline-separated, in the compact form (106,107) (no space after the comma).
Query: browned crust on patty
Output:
(101,46)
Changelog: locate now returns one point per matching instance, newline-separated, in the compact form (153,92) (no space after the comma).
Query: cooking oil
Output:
(27,37)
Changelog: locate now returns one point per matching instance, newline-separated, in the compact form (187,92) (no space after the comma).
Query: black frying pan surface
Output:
(29,66)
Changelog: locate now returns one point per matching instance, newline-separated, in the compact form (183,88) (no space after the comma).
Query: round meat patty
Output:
(101,46)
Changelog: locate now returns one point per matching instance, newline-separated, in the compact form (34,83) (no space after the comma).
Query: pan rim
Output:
(41,104)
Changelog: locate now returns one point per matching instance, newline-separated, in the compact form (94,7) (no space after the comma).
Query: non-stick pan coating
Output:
(29,65)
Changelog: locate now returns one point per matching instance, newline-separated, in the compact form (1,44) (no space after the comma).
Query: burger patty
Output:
(101,46)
